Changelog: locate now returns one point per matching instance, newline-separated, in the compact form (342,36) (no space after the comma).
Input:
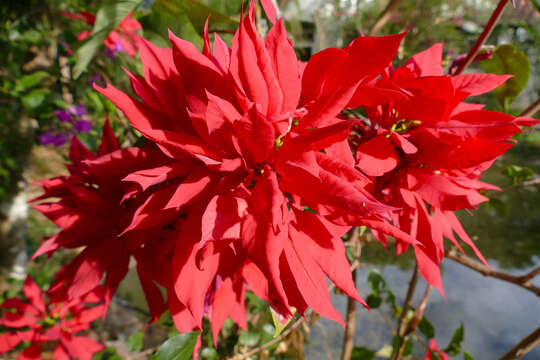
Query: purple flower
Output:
(78,110)
(50,138)
(96,78)
(83,125)
(63,116)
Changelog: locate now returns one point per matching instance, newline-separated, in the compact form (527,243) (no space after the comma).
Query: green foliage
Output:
(107,354)
(135,341)
(507,59)
(278,325)
(454,347)
(362,353)
(467,356)
(426,328)
(208,353)
(518,173)
(179,347)
(107,18)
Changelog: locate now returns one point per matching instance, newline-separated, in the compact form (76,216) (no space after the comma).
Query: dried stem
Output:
(531,109)
(524,346)
(523,280)
(384,16)
(350,319)
(483,37)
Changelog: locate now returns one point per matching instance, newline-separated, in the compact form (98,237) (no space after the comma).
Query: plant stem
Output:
(384,16)
(531,109)
(350,320)
(524,280)
(524,346)
(402,324)
(483,37)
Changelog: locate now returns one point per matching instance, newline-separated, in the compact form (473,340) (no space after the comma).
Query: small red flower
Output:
(43,323)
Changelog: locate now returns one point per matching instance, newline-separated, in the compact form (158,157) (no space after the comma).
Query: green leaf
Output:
(277,322)
(454,347)
(426,328)
(179,347)
(29,81)
(373,301)
(209,353)
(33,99)
(107,354)
(385,351)
(467,356)
(135,341)
(507,59)
(362,353)
(518,173)
(107,18)
(249,338)
(408,348)
(376,281)
(196,11)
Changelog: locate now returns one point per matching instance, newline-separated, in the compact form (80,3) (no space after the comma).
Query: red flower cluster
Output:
(248,180)
(121,39)
(426,151)
(44,323)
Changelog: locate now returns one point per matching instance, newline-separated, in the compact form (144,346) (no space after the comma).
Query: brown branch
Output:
(524,280)
(497,13)
(350,319)
(402,324)
(535,181)
(524,346)
(531,109)
(413,324)
(384,16)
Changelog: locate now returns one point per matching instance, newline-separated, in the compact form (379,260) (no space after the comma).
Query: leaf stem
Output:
(483,37)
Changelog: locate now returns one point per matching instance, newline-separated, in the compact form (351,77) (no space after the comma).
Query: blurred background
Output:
(46,74)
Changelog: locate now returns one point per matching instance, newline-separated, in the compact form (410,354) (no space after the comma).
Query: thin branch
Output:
(484,36)
(535,181)
(350,319)
(384,16)
(524,346)
(407,303)
(415,321)
(531,109)
(524,280)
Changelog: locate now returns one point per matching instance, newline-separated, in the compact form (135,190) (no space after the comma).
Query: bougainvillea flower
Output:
(425,153)
(56,324)
(271,186)
(93,209)
(120,39)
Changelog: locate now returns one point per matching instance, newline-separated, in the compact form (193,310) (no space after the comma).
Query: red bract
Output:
(121,39)
(93,209)
(434,352)
(427,151)
(43,323)
(264,204)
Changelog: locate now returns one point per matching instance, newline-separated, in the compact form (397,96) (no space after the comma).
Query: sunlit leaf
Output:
(179,347)
(277,322)
(135,341)
(507,59)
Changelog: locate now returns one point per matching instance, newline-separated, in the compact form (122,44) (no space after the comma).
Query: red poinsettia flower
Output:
(121,39)
(93,209)
(434,352)
(263,203)
(43,323)
(427,151)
